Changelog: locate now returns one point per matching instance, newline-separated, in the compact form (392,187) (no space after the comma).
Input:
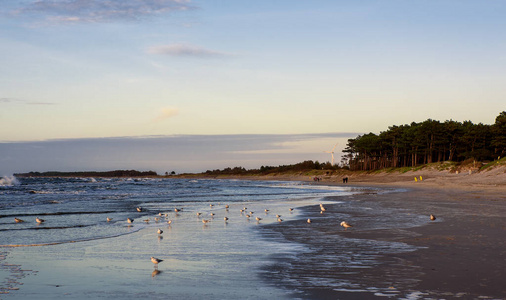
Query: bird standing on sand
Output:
(278,216)
(205,221)
(156,261)
(18,220)
(258,219)
(139,209)
(432,217)
(39,220)
(225,218)
(290,209)
(345,224)
(109,219)
(130,220)
(309,221)
(226,206)
(160,231)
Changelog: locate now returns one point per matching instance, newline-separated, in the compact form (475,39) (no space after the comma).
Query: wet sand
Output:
(462,254)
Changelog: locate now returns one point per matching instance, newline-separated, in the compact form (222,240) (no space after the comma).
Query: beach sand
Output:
(461,254)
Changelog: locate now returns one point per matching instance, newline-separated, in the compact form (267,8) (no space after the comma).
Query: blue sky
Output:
(83,70)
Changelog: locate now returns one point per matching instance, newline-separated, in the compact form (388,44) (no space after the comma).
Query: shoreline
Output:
(460,255)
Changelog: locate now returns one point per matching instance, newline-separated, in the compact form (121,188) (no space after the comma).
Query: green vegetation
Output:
(303,167)
(427,142)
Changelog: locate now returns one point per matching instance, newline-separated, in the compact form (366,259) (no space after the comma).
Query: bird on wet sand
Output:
(309,220)
(130,220)
(432,217)
(160,231)
(109,219)
(17,220)
(38,220)
(156,261)
(346,224)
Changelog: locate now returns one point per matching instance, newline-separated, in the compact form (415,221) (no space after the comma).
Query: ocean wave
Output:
(69,241)
(9,181)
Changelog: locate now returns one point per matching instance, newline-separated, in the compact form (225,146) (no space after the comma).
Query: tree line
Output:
(427,142)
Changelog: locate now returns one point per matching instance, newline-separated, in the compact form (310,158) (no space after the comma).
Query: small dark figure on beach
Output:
(345,180)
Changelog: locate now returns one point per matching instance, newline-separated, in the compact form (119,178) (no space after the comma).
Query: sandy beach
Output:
(461,254)
(392,251)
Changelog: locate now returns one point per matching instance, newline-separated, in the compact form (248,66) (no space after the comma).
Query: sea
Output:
(86,248)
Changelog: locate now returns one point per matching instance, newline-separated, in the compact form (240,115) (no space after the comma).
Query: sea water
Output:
(76,253)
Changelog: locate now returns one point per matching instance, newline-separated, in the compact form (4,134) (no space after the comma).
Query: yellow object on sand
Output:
(416,179)
(421,178)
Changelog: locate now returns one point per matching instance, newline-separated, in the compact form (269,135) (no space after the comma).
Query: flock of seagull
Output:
(243,211)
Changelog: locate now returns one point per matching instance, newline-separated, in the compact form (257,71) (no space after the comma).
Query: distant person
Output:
(345,180)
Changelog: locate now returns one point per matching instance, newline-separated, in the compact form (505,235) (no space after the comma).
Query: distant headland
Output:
(116,173)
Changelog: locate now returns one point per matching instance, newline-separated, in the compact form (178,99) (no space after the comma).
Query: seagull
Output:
(211,205)
(157,219)
(226,206)
(177,210)
(280,220)
(323,208)
(258,219)
(266,210)
(205,221)
(245,208)
(212,214)
(160,231)
(248,216)
(169,222)
(18,220)
(147,220)
(139,209)
(40,220)
(432,217)
(251,212)
(156,261)
(130,220)
(278,216)
(225,218)
(345,224)
(309,220)
(290,209)
(109,219)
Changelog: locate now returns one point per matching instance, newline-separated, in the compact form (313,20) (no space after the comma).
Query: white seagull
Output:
(156,261)
(130,220)
(40,220)
(160,231)
(345,224)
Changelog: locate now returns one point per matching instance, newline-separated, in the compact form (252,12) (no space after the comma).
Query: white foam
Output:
(9,181)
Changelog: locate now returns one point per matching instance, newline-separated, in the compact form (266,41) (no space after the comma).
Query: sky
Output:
(288,78)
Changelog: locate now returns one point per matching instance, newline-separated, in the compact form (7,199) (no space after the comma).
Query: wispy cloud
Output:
(9,100)
(166,112)
(97,11)
(185,50)
(20,101)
